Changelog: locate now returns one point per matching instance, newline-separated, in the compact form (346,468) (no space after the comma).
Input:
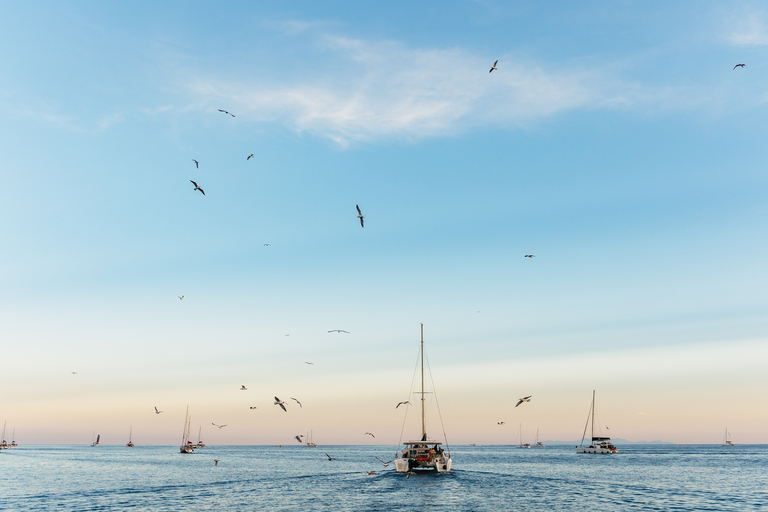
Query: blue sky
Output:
(615,142)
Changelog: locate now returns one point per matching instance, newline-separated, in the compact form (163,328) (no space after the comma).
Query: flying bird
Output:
(385,463)
(307,362)
(266,245)
(360,216)
(156,411)
(74,373)
(252,407)
(338,330)
(500,423)
(402,403)
(219,426)
(280,403)
(230,113)
(197,187)
(371,473)
(494,66)
(216,462)
(297,402)
(249,157)
(739,65)
(530,255)
(524,399)
(197,164)
(298,438)
(243,388)
(369,434)
(329,457)
(409,473)
(181,297)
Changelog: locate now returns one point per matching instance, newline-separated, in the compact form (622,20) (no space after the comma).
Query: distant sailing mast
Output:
(13,437)
(726,438)
(4,445)
(130,438)
(186,444)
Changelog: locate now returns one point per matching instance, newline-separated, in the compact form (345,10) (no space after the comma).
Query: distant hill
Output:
(614,441)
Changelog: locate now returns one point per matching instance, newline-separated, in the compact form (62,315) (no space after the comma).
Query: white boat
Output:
(186,445)
(520,443)
(424,453)
(130,439)
(4,445)
(309,443)
(97,442)
(537,443)
(13,438)
(599,444)
(727,438)
(200,443)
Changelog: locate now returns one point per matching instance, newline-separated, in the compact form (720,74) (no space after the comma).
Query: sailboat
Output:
(186,444)
(727,438)
(200,443)
(424,453)
(309,443)
(97,441)
(13,438)
(130,438)
(4,445)
(599,444)
(537,443)
(520,438)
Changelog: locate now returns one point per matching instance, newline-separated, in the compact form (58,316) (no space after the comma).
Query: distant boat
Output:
(200,443)
(309,443)
(520,443)
(4,445)
(130,438)
(13,437)
(424,453)
(599,444)
(537,443)
(97,442)
(727,438)
(186,444)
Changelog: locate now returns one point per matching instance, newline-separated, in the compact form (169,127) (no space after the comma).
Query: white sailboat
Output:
(13,438)
(599,444)
(520,443)
(310,443)
(537,443)
(727,438)
(424,453)
(4,445)
(186,444)
(200,443)
(130,438)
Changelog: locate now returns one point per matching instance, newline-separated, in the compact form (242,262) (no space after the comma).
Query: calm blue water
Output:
(644,477)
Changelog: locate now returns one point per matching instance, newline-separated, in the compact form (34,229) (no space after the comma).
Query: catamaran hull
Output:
(603,451)
(405,465)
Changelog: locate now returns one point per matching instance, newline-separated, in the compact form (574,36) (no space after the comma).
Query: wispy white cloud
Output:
(384,89)
(749,30)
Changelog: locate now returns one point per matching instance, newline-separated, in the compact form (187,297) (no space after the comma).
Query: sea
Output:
(664,477)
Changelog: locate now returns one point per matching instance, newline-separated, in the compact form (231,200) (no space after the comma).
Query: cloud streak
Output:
(385,90)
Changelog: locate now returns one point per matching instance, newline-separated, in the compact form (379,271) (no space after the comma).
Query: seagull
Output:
(530,255)
(197,187)
(156,411)
(297,402)
(494,66)
(181,297)
(369,434)
(280,403)
(329,457)
(298,438)
(339,331)
(216,462)
(371,473)
(243,388)
(74,373)
(360,216)
(402,403)
(253,407)
(197,164)
(307,362)
(385,463)
(524,399)
(230,113)
(249,157)
(499,422)
(409,473)
(219,426)
(266,245)
(739,65)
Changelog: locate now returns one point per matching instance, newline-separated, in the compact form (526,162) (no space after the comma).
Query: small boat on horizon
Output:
(537,443)
(130,438)
(97,442)
(13,438)
(200,443)
(310,443)
(4,445)
(424,453)
(520,443)
(727,438)
(599,444)
(186,445)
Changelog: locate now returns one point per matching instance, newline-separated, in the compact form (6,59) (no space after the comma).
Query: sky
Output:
(615,142)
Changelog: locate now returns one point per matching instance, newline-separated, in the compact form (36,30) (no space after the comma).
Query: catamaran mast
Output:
(593,414)
(423,419)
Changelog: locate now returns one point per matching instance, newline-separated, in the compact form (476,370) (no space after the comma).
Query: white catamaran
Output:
(424,453)
(200,443)
(727,438)
(310,443)
(599,444)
